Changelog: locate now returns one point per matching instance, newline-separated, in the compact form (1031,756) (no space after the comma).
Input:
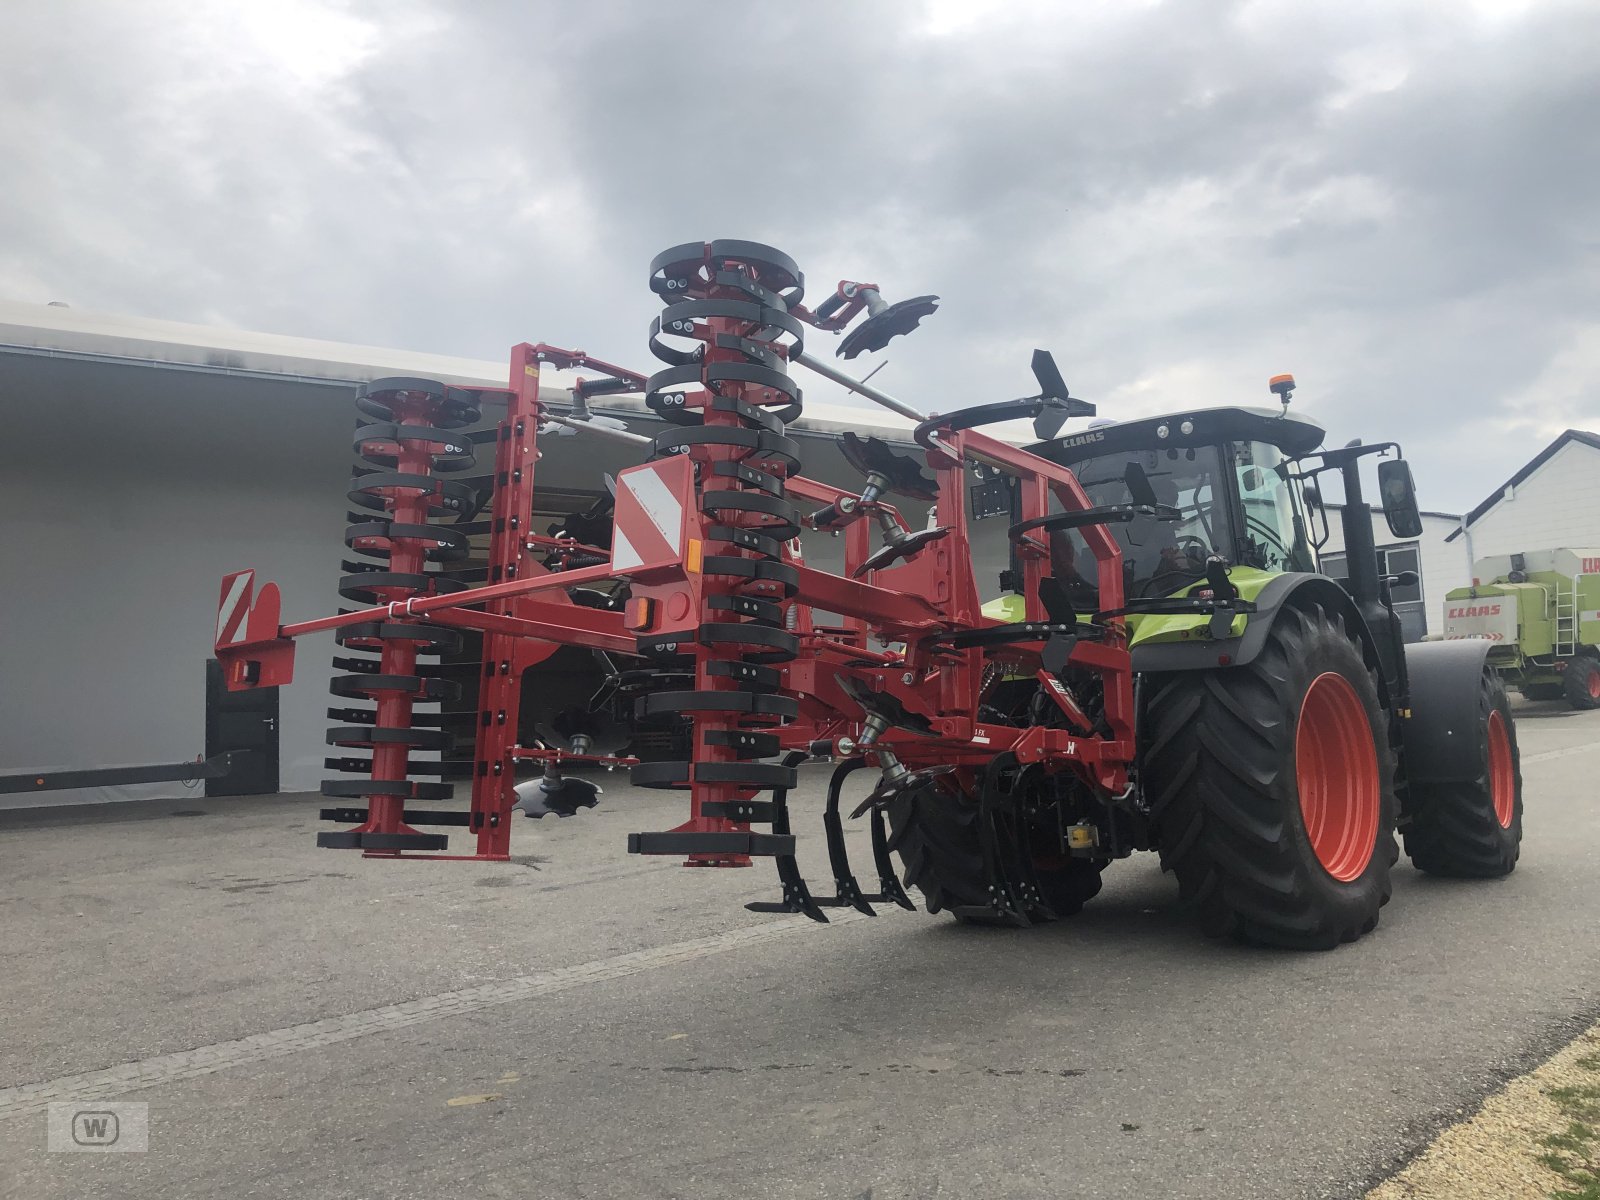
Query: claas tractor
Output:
(1165,669)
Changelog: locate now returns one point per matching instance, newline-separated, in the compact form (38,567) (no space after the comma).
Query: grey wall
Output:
(125,494)
(127,491)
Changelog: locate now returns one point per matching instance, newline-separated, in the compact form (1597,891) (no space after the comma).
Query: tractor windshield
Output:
(1159,557)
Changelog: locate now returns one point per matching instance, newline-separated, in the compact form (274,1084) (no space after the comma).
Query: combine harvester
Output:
(1540,614)
(1177,676)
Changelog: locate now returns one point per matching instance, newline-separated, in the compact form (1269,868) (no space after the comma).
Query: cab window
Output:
(1274,534)
(1159,557)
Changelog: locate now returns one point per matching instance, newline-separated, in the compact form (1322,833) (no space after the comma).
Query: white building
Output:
(1551,502)
(1439,564)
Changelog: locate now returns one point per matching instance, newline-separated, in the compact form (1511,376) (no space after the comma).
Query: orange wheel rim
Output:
(1336,771)
(1594,685)
(1502,775)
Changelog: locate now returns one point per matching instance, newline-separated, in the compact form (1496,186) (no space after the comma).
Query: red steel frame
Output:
(525,615)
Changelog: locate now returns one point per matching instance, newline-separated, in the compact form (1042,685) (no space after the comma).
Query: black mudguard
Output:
(1444,730)
(1207,655)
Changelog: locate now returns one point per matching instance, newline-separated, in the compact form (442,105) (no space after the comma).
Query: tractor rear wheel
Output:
(1473,829)
(1581,680)
(935,832)
(1272,787)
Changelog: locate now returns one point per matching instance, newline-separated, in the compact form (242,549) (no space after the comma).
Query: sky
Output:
(1395,200)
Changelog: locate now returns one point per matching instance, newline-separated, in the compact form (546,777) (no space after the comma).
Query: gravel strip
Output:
(1498,1153)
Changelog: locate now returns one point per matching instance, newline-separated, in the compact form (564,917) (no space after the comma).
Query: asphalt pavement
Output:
(579,1023)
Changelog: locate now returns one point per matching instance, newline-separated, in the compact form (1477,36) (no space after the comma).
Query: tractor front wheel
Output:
(1271,786)
(1581,680)
(1473,829)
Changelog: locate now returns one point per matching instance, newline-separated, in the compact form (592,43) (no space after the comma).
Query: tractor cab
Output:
(1222,480)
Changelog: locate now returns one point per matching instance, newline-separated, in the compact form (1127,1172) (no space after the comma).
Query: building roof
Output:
(1591,440)
(1378,508)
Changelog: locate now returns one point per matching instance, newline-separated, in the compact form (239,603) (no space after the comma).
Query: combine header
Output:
(1007,770)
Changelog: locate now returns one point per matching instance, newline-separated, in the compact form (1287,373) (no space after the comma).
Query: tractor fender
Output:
(1301,587)
(1444,734)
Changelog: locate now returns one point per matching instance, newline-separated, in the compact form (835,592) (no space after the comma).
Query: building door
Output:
(246,722)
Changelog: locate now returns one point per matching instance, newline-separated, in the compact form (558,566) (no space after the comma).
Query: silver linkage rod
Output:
(861,387)
(828,371)
(621,435)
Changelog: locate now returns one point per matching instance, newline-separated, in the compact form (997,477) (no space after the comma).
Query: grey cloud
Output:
(1393,200)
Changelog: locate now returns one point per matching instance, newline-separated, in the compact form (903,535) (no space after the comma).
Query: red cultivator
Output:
(710,593)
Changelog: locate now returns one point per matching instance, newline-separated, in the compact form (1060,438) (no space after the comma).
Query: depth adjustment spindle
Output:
(727,336)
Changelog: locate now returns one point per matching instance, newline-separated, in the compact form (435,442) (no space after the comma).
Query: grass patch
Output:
(1538,1138)
(1574,1153)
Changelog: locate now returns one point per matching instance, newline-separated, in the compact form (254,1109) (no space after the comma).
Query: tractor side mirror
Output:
(1399,498)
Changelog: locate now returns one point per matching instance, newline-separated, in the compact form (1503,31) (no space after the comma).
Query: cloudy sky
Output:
(1396,200)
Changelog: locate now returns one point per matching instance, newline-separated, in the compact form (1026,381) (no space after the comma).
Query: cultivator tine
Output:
(1009,813)
(797,896)
(1003,901)
(1025,880)
(888,880)
(1014,894)
(847,887)
(847,892)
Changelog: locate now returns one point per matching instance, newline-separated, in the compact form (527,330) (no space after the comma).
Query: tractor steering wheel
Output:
(1194,550)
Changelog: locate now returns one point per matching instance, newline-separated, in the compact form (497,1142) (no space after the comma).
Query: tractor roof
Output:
(1294,435)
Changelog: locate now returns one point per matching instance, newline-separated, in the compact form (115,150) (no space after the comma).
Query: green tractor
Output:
(1285,731)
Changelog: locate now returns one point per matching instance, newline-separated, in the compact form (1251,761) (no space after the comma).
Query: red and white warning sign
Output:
(248,644)
(651,514)
(234,607)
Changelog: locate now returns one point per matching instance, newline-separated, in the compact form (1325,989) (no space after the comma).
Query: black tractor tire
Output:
(935,832)
(1220,774)
(1544,691)
(1580,681)
(1457,829)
